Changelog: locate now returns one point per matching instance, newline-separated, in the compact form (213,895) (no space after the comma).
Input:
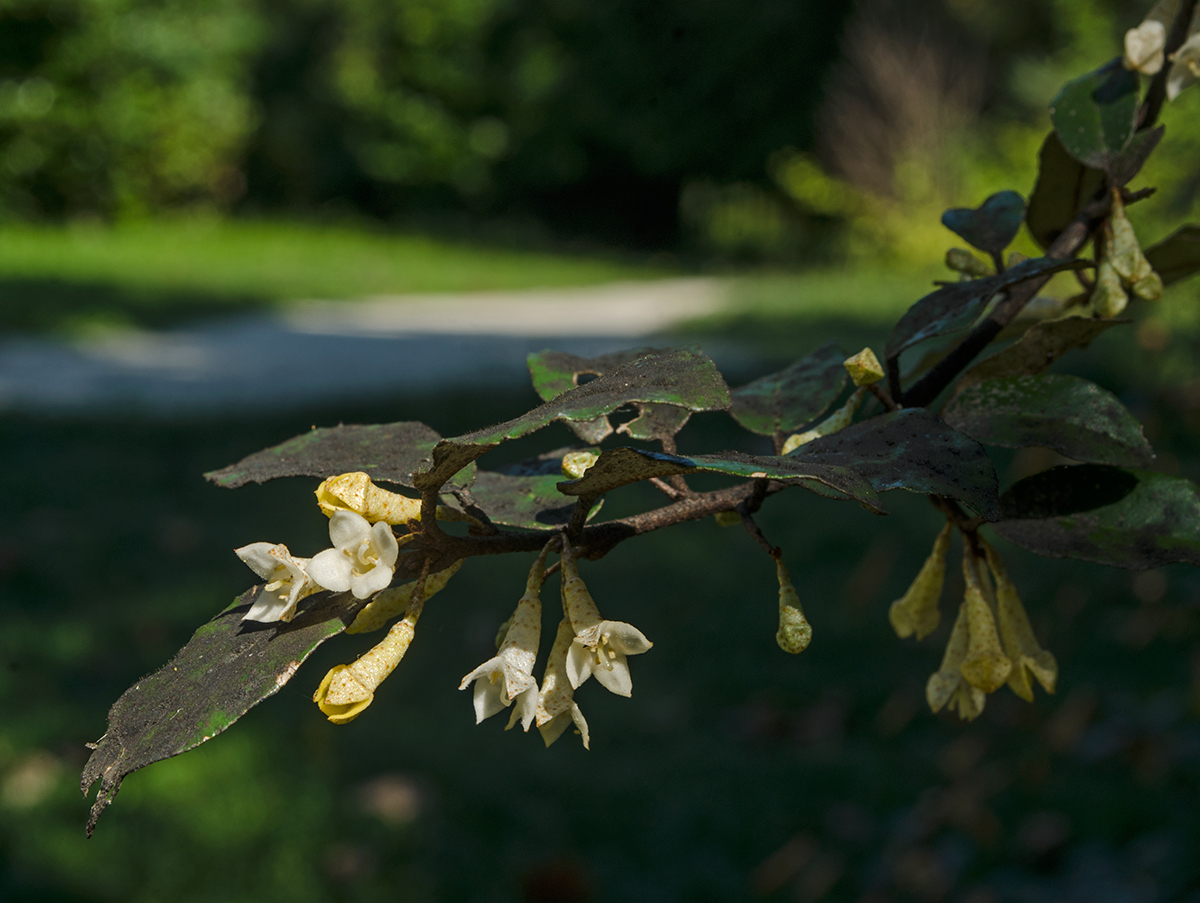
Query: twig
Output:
(756,532)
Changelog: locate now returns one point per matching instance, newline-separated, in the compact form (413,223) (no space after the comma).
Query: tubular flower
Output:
(362,559)
(556,705)
(948,683)
(287,581)
(795,633)
(838,420)
(355,492)
(600,646)
(1017,634)
(1127,257)
(508,677)
(917,610)
(1109,297)
(348,689)
(985,666)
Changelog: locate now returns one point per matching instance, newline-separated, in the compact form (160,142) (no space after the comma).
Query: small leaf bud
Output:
(864,368)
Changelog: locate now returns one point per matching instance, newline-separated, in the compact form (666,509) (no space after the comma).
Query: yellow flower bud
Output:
(838,420)
(1019,641)
(963,261)
(986,666)
(864,368)
(917,610)
(355,492)
(575,464)
(947,685)
(348,689)
(795,633)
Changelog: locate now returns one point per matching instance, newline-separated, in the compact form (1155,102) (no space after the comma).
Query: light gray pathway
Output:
(311,352)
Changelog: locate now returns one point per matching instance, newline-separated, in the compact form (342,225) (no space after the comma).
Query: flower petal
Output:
(331,569)
(488,699)
(257,556)
(383,540)
(268,607)
(615,676)
(624,638)
(580,660)
(347,529)
(371,582)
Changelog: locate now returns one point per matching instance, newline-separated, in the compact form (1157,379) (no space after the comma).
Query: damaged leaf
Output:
(783,402)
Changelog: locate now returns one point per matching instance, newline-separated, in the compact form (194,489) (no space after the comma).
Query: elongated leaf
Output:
(526,494)
(387,452)
(622,466)
(227,668)
(1133,519)
(956,306)
(555,372)
(785,401)
(992,225)
(914,450)
(1040,346)
(683,377)
(1178,255)
(1074,417)
(1094,115)
(1063,186)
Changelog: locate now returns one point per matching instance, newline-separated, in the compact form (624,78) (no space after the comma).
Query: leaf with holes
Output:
(785,401)
(1130,519)
(227,668)
(621,466)
(1095,114)
(1178,255)
(992,225)
(1040,346)
(914,450)
(1074,417)
(387,452)
(956,306)
(684,378)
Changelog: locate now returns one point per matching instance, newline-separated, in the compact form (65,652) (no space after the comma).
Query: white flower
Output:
(287,581)
(508,677)
(1185,65)
(362,558)
(556,705)
(1144,47)
(600,646)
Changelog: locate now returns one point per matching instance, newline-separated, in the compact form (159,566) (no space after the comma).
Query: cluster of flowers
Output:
(362,561)
(991,643)
(1145,47)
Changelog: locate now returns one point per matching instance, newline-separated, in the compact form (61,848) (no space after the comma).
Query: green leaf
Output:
(621,466)
(227,668)
(992,226)
(1063,186)
(1095,114)
(785,401)
(1041,345)
(1074,417)
(387,452)
(555,372)
(526,494)
(1131,160)
(956,306)
(912,449)
(1131,519)
(684,377)
(1178,255)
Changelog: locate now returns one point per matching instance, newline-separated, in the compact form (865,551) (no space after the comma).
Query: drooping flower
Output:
(556,705)
(917,610)
(948,685)
(1018,637)
(287,581)
(985,666)
(1185,64)
(362,559)
(508,677)
(794,633)
(600,646)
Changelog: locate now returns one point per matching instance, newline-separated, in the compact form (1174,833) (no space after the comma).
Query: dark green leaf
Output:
(990,227)
(622,466)
(683,377)
(1094,115)
(1063,186)
(1136,519)
(526,494)
(956,306)
(1074,417)
(387,452)
(914,450)
(1131,160)
(1041,345)
(1178,255)
(227,667)
(785,401)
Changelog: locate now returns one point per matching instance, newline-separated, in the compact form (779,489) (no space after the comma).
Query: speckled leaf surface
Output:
(796,395)
(526,494)
(1130,519)
(914,450)
(1063,186)
(621,466)
(1074,417)
(1040,346)
(227,668)
(1178,255)
(1095,114)
(954,307)
(684,377)
(992,225)
(387,452)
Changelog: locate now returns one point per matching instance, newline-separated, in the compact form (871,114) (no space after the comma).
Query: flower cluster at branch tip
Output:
(287,579)
(794,633)
(556,705)
(917,610)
